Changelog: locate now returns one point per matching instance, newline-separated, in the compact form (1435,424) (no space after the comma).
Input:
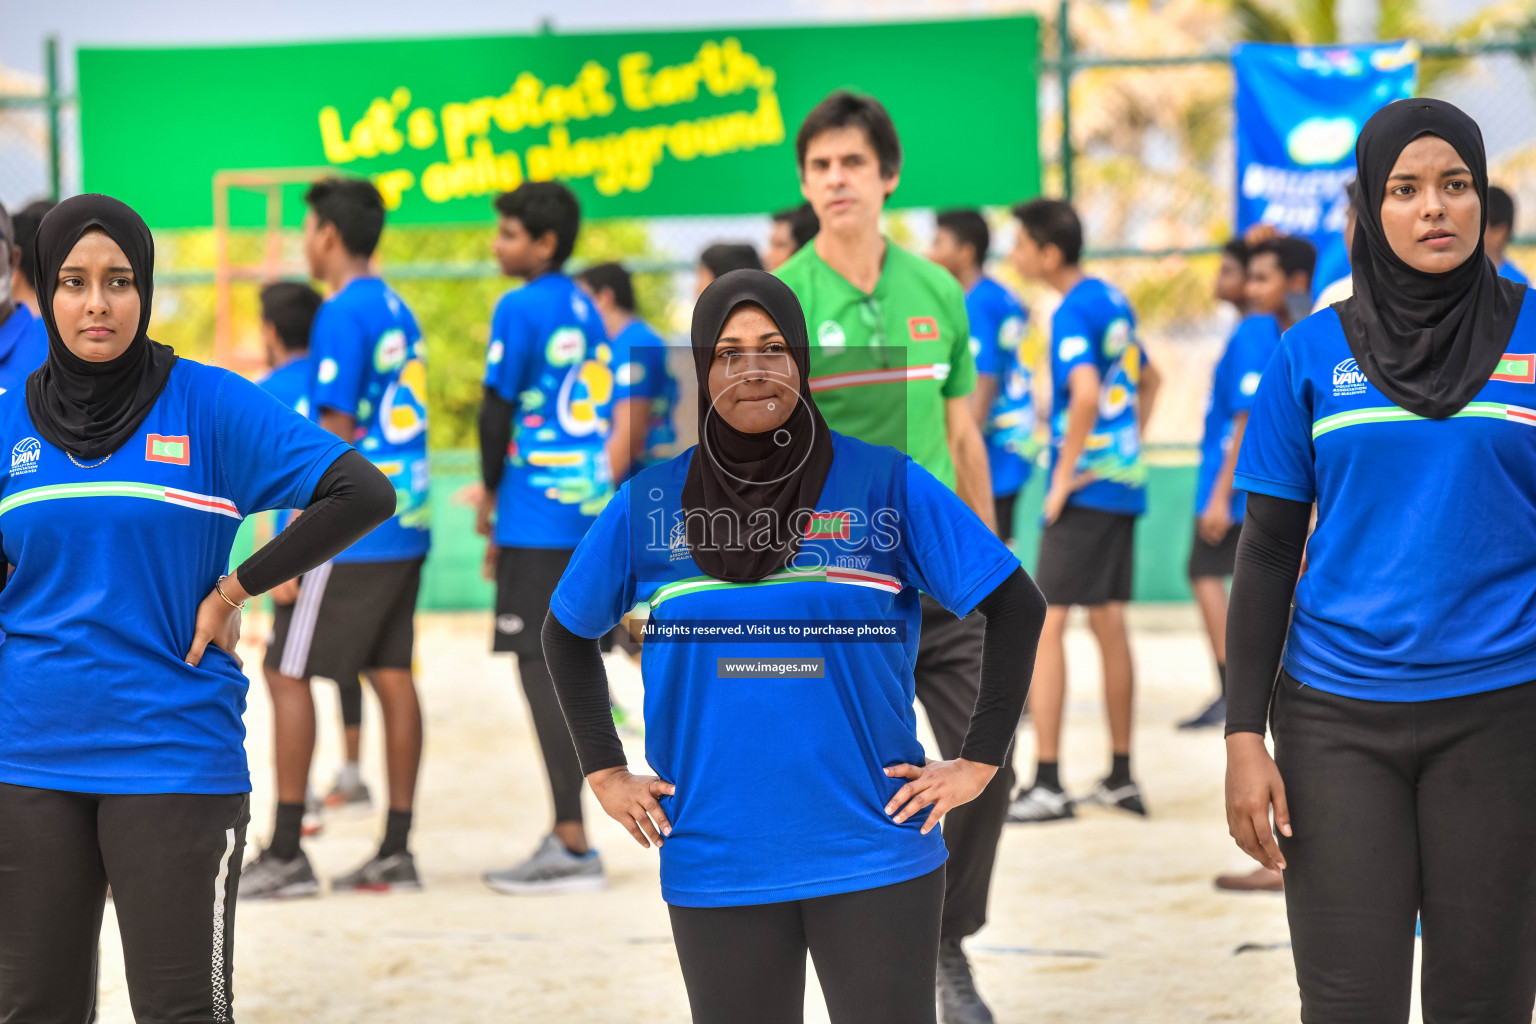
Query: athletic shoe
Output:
(314,815)
(1040,803)
(1260,879)
(271,878)
(551,870)
(395,873)
(1214,715)
(959,1002)
(1125,797)
(349,798)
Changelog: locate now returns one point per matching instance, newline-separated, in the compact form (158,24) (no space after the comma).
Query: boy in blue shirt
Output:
(544,433)
(1501,226)
(1102,394)
(356,614)
(23,337)
(644,390)
(1004,399)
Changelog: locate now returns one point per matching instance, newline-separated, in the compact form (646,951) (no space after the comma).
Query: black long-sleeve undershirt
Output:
(351,499)
(495,437)
(1015,614)
(1269,554)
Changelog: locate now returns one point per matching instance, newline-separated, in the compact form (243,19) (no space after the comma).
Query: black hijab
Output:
(1428,341)
(91,409)
(757,482)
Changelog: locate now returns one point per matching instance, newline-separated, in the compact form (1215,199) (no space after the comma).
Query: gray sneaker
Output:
(349,799)
(1040,803)
(395,873)
(272,878)
(551,870)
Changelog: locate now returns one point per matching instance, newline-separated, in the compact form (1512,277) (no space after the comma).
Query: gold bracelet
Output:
(219,589)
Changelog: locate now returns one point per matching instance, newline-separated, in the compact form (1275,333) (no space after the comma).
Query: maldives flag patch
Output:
(923,328)
(827,526)
(1516,369)
(175,450)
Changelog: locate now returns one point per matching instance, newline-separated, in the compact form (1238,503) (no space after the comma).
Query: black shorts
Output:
(1207,559)
(525,582)
(350,617)
(1087,557)
(1003,506)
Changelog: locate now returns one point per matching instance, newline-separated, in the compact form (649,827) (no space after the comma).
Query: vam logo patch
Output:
(1347,379)
(25,456)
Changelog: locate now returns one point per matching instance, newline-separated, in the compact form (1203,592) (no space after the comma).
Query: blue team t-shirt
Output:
(640,372)
(1232,392)
(1094,326)
(291,384)
(884,528)
(1421,575)
(1508,270)
(370,362)
(550,358)
(23,347)
(111,563)
(998,323)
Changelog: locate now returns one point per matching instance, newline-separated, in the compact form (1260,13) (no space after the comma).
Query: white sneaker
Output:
(1041,803)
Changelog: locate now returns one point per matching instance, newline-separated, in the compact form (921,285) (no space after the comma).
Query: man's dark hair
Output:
(724,257)
(969,228)
(1501,208)
(842,109)
(1053,222)
(354,206)
(290,307)
(1294,255)
(1237,249)
(24,226)
(613,277)
(803,223)
(542,207)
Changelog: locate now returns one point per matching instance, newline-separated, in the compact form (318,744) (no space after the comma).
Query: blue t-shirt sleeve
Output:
(599,582)
(950,554)
(269,455)
(341,349)
(1251,352)
(643,370)
(985,324)
(1073,340)
(512,341)
(1277,456)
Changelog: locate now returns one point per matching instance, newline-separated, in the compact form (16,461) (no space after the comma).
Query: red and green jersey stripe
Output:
(122,489)
(828,574)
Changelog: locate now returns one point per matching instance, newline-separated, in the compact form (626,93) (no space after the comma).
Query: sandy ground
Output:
(1106,918)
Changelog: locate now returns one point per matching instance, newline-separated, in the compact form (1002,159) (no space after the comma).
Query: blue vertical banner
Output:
(1299,111)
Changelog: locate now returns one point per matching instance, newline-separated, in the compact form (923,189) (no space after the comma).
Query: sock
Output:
(1046,775)
(1119,770)
(1221,671)
(286,830)
(349,776)
(397,830)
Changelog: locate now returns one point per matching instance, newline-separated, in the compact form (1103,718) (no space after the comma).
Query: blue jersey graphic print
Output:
(371,363)
(640,372)
(1232,392)
(998,325)
(1094,326)
(550,358)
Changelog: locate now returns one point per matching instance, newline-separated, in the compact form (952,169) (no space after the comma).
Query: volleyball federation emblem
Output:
(1347,379)
(25,456)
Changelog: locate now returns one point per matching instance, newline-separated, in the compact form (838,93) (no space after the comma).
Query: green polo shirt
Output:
(905,344)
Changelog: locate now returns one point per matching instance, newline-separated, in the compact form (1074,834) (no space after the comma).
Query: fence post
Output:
(1064,78)
(51,60)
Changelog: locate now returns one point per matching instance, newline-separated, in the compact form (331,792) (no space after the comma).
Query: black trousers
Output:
(948,678)
(173,861)
(1404,810)
(560,762)
(876,954)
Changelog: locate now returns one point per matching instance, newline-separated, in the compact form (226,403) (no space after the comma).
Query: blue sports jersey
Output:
(23,347)
(884,528)
(1507,269)
(640,372)
(111,563)
(1421,575)
(1232,392)
(370,362)
(1094,326)
(291,384)
(550,358)
(997,334)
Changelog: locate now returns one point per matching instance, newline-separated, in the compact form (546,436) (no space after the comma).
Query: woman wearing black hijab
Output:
(121,746)
(781,564)
(1404,711)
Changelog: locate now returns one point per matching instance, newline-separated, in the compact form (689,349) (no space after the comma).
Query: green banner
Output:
(638,124)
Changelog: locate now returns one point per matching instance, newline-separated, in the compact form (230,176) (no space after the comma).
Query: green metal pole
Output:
(1064,78)
(51,59)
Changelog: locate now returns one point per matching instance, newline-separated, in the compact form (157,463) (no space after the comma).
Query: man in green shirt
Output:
(891,364)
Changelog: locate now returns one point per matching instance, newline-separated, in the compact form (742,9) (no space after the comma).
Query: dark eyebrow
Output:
(110,270)
(761,337)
